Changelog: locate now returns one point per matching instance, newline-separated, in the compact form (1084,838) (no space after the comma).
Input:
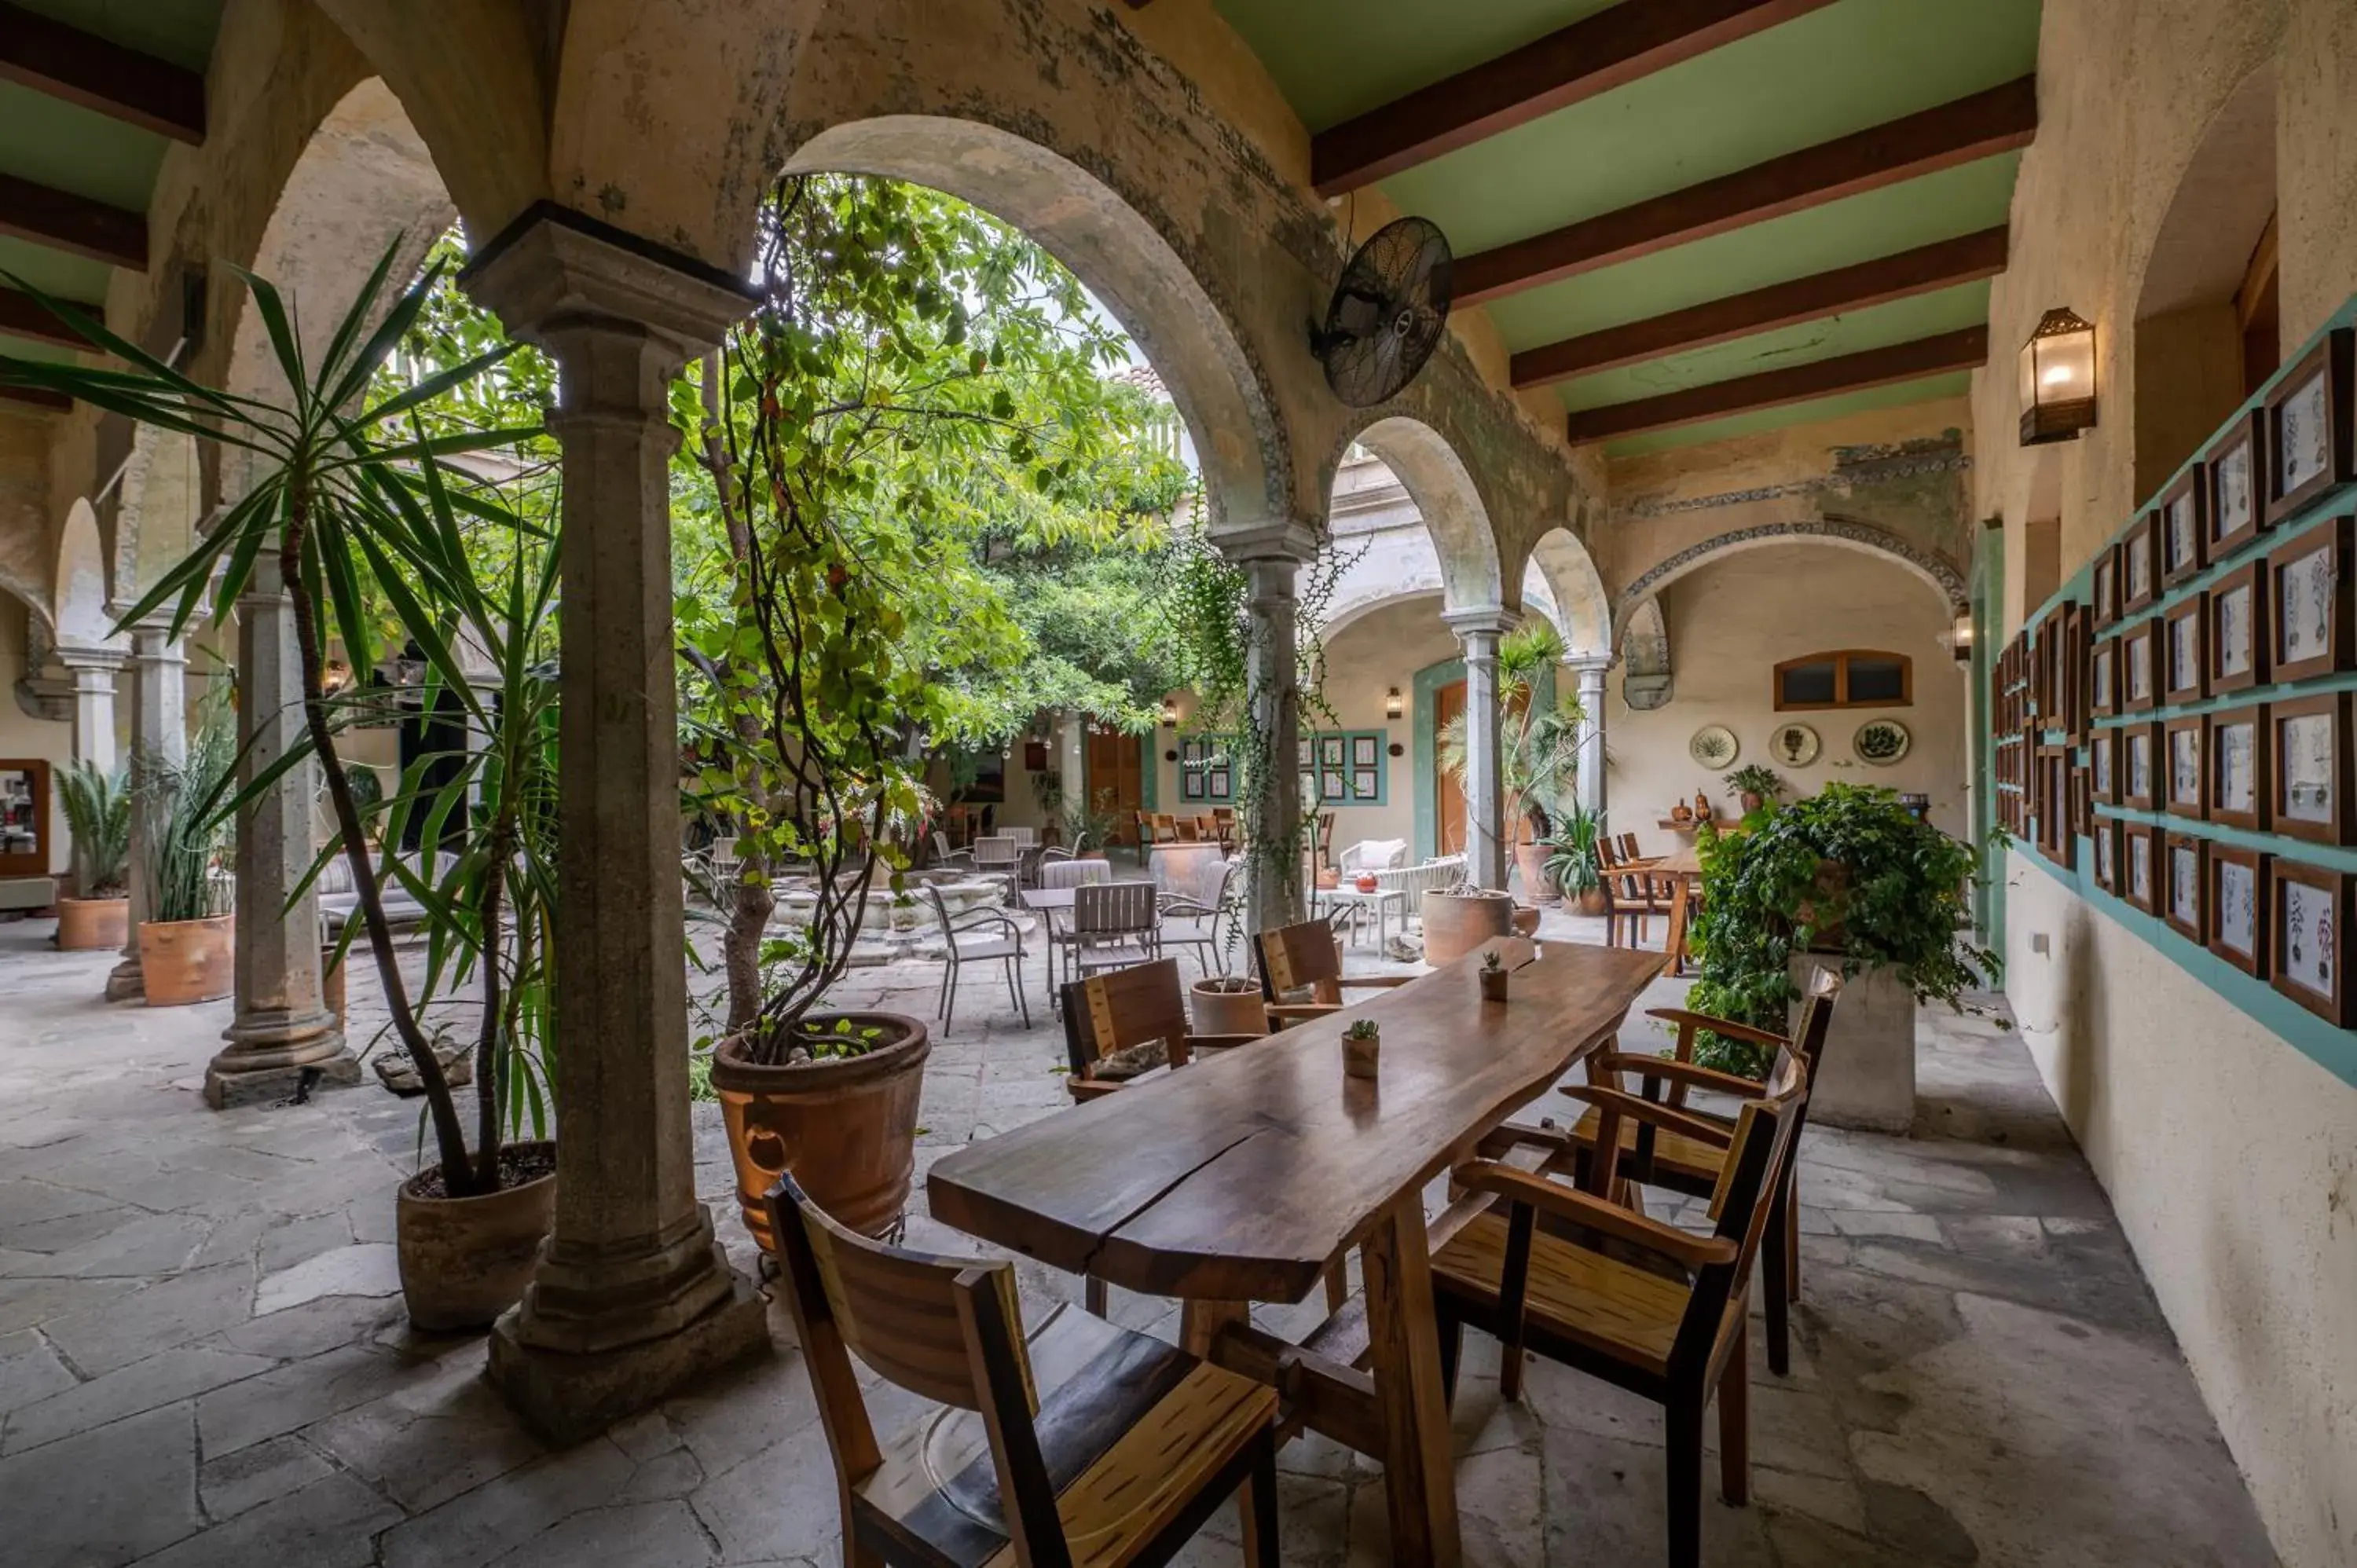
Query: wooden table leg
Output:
(1419,1475)
(1199,1322)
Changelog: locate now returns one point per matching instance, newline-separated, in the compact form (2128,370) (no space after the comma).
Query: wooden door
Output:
(1116,780)
(1449,796)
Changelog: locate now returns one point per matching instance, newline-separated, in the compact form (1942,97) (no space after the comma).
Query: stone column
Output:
(632,1295)
(283,1034)
(1072,763)
(159,735)
(1272,554)
(94,686)
(1488,840)
(1589,670)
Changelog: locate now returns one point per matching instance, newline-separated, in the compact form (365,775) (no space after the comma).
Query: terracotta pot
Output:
(1368,884)
(1592,901)
(1229,1006)
(1526,921)
(847,1129)
(92,924)
(188,960)
(1750,802)
(464,1260)
(1457,923)
(1363,1054)
(1530,860)
(1493,985)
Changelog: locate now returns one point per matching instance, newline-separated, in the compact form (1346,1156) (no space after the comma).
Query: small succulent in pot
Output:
(1361,1044)
(1754,785)
(1492,976)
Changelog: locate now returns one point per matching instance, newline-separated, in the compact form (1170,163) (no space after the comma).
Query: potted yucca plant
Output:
(188,943)
(97,803)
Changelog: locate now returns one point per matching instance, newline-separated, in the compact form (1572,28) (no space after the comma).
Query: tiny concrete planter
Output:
(845,1127)
(1531,861)
(188,960)
(1493,984)
(464,1260)
(93,925)
(1363,1050)
(1457,923)
(1867,1077)
(1227,1004)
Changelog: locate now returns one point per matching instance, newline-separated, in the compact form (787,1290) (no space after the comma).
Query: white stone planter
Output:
(1866,1078)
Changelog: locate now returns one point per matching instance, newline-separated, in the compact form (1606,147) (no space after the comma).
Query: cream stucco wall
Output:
(2231,1156)
(1729,622)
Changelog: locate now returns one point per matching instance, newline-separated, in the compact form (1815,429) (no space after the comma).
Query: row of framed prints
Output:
(2281,768)
(2278,919)
(2265,466)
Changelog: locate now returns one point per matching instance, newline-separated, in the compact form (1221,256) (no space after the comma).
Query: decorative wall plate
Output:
(1794,745)
(1880,742)
(1714,747)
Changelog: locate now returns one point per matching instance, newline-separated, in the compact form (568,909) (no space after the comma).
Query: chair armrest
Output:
(1508,1135)
(1692,1076)
(1685,1123)
(973,919)
(1686,1019)
(1087,1089)
(1581,1208)
(1178,904)
(1376,982)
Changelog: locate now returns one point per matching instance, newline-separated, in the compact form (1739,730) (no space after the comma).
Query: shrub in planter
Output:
(186,945)
(97,804)
(1852,863)
(1574,867)
(1539,749)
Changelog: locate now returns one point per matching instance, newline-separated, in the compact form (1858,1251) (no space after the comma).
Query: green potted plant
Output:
(97,803)
(1492,977)
(346,486)
(1538,750)
(187,944)
(1363,1046)
(1851,877)
(1754,785)
(1574,867)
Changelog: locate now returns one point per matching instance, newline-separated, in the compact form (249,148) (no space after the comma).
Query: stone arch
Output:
(1583,609)
(1126,264)
(1449,500)
(80,617)
(158,501)
(1936,572)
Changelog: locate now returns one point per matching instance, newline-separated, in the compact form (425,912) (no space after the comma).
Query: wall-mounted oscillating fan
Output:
(1387,313)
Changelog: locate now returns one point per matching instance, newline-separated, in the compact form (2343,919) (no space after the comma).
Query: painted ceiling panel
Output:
(53,271)
(57,143)
(1897,396)
(1877,326)
(181,31)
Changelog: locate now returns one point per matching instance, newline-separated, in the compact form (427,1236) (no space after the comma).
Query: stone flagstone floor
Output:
(203,1358)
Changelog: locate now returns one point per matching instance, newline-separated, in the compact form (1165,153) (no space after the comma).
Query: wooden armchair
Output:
(1296,957)
(1673,1332)
(1093,1444)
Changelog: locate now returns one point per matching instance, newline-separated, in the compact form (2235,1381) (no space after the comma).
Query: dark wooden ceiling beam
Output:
(1998,121)
(26,317)
(1949,351)
(77,224)
(1923,270)
(1591,57)
(36,397)
(81,68)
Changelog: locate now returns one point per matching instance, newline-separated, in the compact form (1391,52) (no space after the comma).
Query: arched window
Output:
(1849,678)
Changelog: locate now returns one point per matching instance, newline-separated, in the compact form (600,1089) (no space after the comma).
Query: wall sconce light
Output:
(1394,704)
(2058,378)
(1169,713)
(1959,637)
(334,676)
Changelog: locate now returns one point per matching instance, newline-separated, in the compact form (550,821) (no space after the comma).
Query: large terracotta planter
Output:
(1227,1006)
(93,925)
(464,1260)
(182,962)
(1531,861)
(1457,923)
(1592,902)
(846,1129)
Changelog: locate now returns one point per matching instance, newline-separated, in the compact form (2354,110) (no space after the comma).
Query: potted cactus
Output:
(1362,1045)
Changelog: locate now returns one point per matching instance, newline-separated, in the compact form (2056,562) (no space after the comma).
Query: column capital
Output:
(80,658)
(1480,620)
(1588,664)
(552,268)
(1284,540)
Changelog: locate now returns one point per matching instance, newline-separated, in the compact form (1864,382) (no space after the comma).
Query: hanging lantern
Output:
(1394,703)
(1959,637)
(2058,378)
(1169,713)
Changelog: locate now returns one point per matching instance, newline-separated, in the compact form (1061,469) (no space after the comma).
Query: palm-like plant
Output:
(97,803)
(1539,757)
(182,798)
(351,496)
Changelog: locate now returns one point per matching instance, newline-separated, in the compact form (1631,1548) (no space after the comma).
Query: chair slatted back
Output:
(1304,954)
(1023,837)
(1758,1162)
(1628,850)
(1066,872)
(992,850)
(1120,1009)
(1187,830)
(1114,909)
(1607,856)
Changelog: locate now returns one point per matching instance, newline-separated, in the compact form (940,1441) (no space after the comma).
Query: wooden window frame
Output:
(1839,659)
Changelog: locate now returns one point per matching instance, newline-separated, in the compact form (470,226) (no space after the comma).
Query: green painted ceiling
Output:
(1851,65)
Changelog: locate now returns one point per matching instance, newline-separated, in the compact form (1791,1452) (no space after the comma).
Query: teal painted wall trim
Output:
(1988,594)
(1424,747)
(1150,780)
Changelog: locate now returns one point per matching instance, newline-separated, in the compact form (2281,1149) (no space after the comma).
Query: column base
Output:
(125,982)
(271,1055)
(568,1397)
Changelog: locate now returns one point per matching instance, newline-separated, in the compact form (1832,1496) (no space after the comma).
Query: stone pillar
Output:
(632,1296)
(1589,670)
(159,735)
(1072,763)
(93,686)
(283,1034)
(1488,840)
(1272,555)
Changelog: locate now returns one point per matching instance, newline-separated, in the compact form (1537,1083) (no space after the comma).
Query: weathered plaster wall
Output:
(2226,1152)
(1384,649)
(24,735)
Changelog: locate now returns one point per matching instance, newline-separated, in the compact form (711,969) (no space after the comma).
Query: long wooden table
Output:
(1242,1176)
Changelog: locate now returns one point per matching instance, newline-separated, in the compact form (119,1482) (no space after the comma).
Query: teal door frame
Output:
(1424,748)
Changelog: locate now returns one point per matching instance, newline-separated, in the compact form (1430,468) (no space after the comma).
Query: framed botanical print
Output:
(2071,677)
(2236,617)
(2185,661)
(2184,513)
(2139,668)
(2054,823)
(2307,923)
(2107,853)
(2083,799)
(2308,603)
(2104,766)
(2236,755)
(2140,765)
(2309,444)
(1362,751)
(2230,469)
(2308,792)
(2139,566)
(2186,761)
(2103,677)
(2236,880)
(2104,583)
(2139,867)
(2184,893)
